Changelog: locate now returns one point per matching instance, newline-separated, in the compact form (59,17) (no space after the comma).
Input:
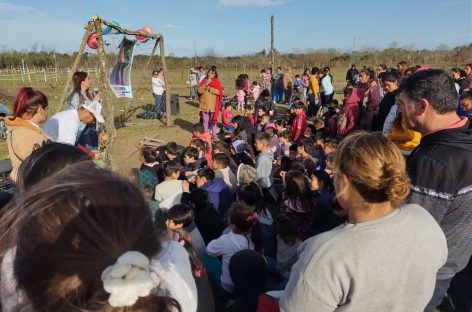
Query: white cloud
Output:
(10,10)
(33,26)
(260,3)
(170,26)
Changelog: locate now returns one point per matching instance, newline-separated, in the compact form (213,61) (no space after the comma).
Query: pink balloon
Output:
(145,30)
(92,41)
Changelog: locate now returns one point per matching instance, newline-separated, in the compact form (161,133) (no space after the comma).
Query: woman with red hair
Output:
(24,134)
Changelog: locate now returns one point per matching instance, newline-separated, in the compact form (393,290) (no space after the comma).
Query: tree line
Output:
(444,56)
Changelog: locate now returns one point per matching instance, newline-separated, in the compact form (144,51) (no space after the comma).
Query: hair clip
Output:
(253,217)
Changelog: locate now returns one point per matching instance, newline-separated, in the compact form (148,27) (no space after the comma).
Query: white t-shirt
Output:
(167,188)
(158,86)
(64,126)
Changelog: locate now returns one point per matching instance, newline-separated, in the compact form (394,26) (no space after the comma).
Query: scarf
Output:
(215,84)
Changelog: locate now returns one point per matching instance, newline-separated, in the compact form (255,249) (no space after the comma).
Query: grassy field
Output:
(124,160)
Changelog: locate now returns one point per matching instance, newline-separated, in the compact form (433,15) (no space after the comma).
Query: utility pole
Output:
(354,43)
(272,47)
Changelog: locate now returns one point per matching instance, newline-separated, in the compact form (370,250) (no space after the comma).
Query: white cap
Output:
(95,108)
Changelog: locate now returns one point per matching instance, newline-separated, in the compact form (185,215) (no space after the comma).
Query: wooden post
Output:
(153,52)
(166,80)
(272,46)
(88,29)
(106,98)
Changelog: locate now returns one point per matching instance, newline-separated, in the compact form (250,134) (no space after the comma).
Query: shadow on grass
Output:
(192,103)
(124,117)
(184,124)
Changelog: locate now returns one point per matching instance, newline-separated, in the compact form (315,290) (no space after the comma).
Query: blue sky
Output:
(234,27)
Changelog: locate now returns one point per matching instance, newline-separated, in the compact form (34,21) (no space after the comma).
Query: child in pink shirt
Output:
(256,90)
(241,97)
(266,77)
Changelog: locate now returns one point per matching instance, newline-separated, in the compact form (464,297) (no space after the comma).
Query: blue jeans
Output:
(159,100)
(278,95)
(439,292)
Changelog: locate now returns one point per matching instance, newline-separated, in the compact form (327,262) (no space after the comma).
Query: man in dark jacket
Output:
(352,75)
(438,166)
(220,195)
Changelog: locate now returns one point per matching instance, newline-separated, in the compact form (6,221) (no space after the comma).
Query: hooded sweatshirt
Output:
(23,137)
(220,196)
(440,185)
(264,168)
(350,112)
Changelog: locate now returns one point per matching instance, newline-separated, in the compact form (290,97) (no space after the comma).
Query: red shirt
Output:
(227,117)
(299,127)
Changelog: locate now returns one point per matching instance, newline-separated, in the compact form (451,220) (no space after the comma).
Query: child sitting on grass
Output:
(171,185)
(169,152)
(149,170)
(265,120)
(249,113)
(287,245)
(285,139)
(181,217)
(222,170)
(191,160)
(226,118)
(200,146)
(245,233)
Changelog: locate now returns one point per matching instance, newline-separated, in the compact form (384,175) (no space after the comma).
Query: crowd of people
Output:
(291,200)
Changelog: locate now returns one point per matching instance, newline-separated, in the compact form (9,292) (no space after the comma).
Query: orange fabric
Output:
(207,139)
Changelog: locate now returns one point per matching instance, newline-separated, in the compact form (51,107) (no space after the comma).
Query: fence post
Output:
(45,76)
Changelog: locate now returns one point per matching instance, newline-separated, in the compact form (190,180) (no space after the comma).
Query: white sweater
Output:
(226,246)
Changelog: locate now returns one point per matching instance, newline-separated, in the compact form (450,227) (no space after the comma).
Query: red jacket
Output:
(350,111)
(207,139)
(299,127)
(251,117)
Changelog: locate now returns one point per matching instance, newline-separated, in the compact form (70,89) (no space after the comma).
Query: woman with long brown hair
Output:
(83,240)
(24,134)
(210,93)
(81,84)
(384,247)
(371,97)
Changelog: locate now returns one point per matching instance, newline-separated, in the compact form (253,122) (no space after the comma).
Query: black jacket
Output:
(384,109)
(439,169)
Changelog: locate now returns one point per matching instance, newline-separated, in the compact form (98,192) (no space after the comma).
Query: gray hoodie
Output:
(264,169)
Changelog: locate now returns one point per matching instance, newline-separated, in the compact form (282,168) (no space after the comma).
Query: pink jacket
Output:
(266,77)
(240,94)
(350,111)
(305,81)
(372,105)
(256,90)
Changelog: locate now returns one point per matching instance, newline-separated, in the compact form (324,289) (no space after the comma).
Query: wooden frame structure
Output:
(108,109)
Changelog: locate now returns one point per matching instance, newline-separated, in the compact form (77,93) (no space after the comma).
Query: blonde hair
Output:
(374,166)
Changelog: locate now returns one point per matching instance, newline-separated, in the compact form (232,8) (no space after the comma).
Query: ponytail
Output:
(256,236)
(246,222)
(28,101)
